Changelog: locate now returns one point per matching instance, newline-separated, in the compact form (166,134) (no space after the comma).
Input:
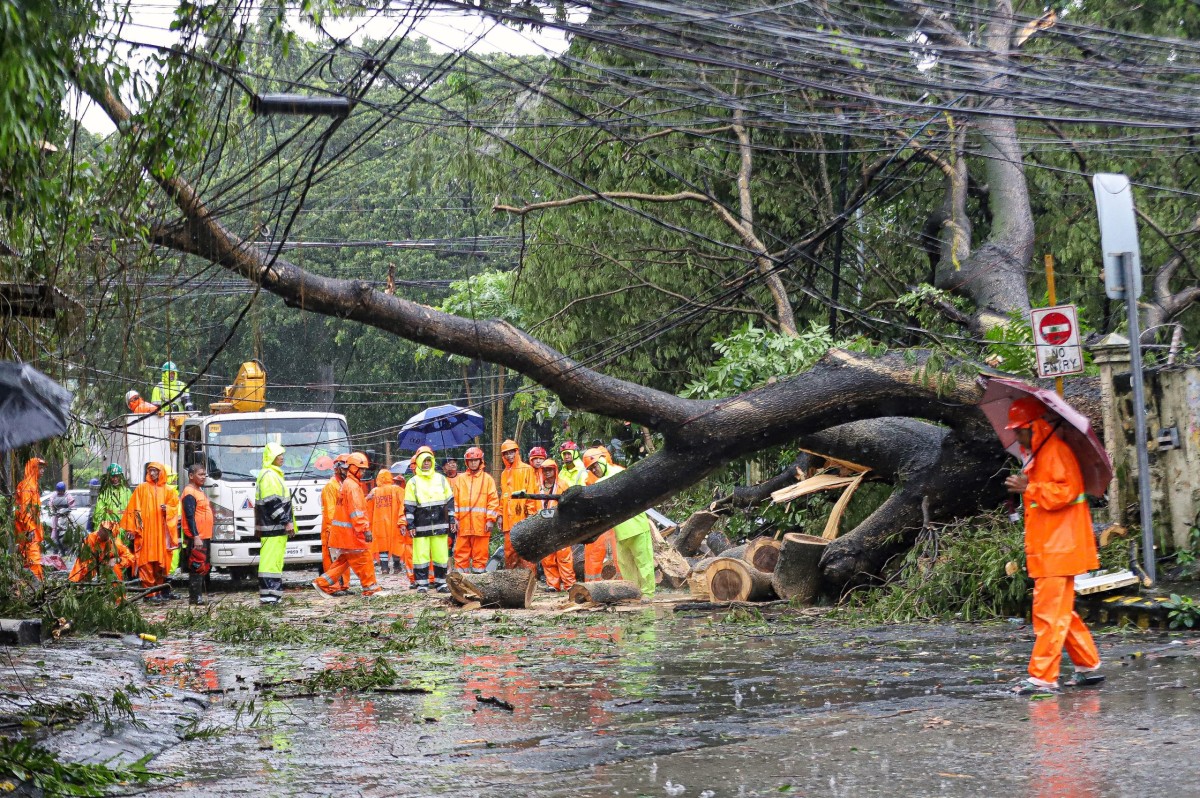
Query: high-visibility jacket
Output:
(27,504)
(574,476)
(350,522)
(168,389)
(428,500)
(634,526)
(273,512)
(146,519)
(329,498)
(385,510)
(111,503)
(516,477)
(1058,525)
(203,514)
(95,554)
(476,502)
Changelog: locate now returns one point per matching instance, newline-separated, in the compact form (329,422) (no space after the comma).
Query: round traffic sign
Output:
(1055,328)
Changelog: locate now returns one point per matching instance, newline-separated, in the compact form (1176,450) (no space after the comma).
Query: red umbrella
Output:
(1072,426)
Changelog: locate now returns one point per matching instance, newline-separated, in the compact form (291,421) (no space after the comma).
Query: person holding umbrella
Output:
(1059,545)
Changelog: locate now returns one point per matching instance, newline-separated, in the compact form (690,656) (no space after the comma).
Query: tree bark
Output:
(691,533)
(613,591)
(508,589)
(797,575)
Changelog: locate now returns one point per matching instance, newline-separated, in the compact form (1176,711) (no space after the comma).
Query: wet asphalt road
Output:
(649,702)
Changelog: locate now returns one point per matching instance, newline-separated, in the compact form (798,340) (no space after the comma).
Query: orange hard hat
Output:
(509,446)
(1024,412)
(591,456)
(359,460)
(474,453)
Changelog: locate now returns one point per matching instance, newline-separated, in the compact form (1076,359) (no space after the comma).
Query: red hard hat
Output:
(538,451)
(1024,412)
(474,453)
(568,446)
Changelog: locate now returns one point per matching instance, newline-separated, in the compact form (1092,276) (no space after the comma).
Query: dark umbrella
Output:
(32,406)
(1073,427)
(441,427)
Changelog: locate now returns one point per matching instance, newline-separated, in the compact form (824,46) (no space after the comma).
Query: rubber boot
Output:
(439,579)
(421,573)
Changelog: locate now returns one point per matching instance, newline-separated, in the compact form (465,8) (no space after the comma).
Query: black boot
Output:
(421,574)
(195,588)
(439,579)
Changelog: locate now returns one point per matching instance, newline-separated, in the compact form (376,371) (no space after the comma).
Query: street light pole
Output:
(1139,416)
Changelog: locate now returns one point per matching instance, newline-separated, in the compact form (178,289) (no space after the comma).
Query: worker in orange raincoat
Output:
(604,547)
(146,518)
(329,498)
(27,503)
(477,505)
(516,476)
(385,507)
(99,552)
(1059,545)
(138,405)
(559,566)
(350,537)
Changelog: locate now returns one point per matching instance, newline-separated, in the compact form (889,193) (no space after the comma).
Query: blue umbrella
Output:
(441,427)
(32,406)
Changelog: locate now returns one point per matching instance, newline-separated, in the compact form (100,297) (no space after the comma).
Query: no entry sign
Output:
(1056,338)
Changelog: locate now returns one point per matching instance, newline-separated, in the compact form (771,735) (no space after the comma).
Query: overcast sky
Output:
(151,20)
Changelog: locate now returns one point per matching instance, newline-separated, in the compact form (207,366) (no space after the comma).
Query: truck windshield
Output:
(235,447)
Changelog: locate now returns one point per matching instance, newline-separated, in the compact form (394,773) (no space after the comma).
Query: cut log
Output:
(763,553)
(610,571)
(610,591)
(691,533)
(798,574)
(732,579)
(670,563)
(698,580)
(510,589)
(717,542)
(737,552)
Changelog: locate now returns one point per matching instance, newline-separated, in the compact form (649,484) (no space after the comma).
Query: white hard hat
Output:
(129,397)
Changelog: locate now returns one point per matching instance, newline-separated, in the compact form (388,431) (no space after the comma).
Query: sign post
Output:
(1123,280)
(1056,341)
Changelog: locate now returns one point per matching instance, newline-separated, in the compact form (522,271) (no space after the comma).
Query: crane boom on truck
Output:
(229,441)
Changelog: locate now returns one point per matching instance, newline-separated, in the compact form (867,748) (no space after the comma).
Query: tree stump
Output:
(734,579)
(763,554)
(610,591)
(798,575)
(510,589)
(690,535)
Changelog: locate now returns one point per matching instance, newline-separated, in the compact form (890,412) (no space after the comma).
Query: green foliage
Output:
(1189,555)
(26,762)
(1183,612)
(957,573)
(750,356)
(1010,347)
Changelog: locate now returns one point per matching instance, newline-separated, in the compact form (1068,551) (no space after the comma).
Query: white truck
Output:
(230,445)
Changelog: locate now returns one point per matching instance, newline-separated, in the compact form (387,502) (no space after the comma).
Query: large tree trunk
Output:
(510,589)
(798,573)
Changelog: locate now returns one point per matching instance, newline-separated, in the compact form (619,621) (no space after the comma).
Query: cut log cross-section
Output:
(734,579)
(509,589)
(763,553)
(798,574)
(611,591)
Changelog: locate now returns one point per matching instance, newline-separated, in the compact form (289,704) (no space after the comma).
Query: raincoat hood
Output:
(505,448)
(551,465)
(33,469)
(384,478)
(1041,431)
(270,452)
(423,455)
(162,473)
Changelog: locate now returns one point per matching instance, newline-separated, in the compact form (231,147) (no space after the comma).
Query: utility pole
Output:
(839,236)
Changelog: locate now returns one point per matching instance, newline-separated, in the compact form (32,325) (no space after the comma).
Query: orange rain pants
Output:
(560,569)
(329,498)
(1056,625)
(595,553)
(362,562)
(471,551)
(402,548)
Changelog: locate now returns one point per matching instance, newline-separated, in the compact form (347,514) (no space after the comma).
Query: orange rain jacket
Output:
(28,504)
(1058,525)
(146,519)
(329,499)
(518,476)
(141,407)
(96,552)
(350,522)
(476,502)
(385,509)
